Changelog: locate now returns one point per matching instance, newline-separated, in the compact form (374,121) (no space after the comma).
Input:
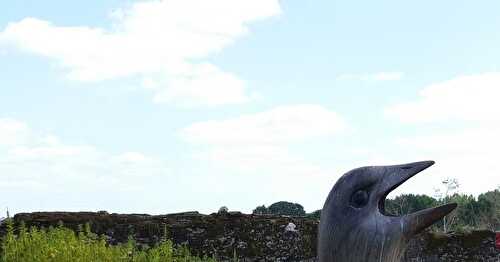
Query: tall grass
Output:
(60,244)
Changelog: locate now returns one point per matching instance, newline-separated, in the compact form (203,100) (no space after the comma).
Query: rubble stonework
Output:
(253,237)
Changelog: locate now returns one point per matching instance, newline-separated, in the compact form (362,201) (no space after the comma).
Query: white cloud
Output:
(469,151)
(168,41)
(45,161)
(260,156)
(12,132)
(380,76)
(464,98)
(470,155)
(277,126)
(263,140)
(204,85)
(62,176)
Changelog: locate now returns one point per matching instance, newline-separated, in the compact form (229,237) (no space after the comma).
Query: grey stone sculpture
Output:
(354,225)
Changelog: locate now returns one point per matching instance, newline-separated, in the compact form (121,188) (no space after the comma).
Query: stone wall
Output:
(254,238)
(471,246)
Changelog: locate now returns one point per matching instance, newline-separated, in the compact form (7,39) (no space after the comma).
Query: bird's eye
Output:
(359,199)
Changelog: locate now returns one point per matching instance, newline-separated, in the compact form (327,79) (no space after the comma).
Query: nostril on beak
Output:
(406,167)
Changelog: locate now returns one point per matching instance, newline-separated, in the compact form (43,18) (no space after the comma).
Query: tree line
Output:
(481,212)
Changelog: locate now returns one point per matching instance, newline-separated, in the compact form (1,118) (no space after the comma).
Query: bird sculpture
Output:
(354,225)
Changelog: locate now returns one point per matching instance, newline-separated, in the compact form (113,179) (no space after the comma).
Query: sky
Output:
(169,106)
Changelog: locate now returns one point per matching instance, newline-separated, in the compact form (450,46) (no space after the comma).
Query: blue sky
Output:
(166,106)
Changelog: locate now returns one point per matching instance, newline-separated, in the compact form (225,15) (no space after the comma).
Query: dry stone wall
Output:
(252,237)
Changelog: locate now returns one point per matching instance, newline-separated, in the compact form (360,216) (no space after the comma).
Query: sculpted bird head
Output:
(354,225)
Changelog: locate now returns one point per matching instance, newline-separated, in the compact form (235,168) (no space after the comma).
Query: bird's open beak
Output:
(416,222)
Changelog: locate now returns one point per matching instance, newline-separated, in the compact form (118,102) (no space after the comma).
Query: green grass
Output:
(60,244)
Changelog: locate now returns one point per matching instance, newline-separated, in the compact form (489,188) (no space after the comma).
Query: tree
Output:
(314,215)
(287,209)
(408,203)
(489,209)
(466,215)
(449,185)
(223,210)
(261,210)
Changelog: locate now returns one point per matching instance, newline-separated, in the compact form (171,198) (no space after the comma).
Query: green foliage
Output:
(60,244)
(467,212)
(489,208)
(261,210)
(482,212)
(281,208)
(409,203)
(287,209)
(314,215)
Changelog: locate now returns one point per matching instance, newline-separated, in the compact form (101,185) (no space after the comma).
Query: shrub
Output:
(61,244)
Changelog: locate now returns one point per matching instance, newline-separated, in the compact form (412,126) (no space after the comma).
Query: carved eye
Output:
(359,199)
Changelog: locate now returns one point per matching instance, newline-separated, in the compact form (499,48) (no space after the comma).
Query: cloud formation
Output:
(464,98)
(263,151)
(41,162)
(465,118)
(279,125)
(263,138)
(165,42)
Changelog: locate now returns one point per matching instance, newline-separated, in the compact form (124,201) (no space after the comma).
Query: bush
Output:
(61,244)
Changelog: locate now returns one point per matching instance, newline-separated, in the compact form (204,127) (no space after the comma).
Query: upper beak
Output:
(416,222)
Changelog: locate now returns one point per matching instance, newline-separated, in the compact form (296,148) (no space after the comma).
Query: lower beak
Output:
(416,222)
